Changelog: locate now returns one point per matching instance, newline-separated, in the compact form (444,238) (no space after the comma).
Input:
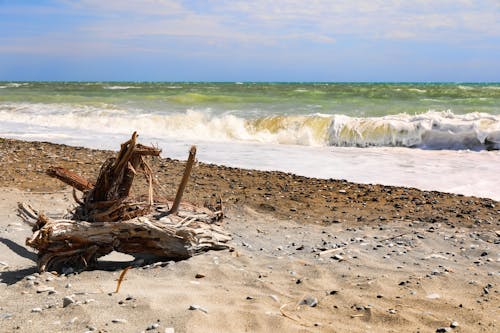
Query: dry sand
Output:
(369,258)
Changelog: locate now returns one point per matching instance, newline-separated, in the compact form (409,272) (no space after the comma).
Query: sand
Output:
(309,256)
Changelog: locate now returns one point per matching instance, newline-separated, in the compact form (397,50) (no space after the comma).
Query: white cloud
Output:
(270,22)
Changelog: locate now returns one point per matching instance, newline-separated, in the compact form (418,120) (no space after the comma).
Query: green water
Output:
(251,100)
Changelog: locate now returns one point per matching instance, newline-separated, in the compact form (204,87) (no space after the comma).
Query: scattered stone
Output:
(338,257)
(68,285)
(119,321)
(392,311)
(44,289)
(197,307)
(31,278)
(333,292)
(443,329)
(5,315)
(454,324)
(311,301)
(275,298)
(67,300)
(250,297)
(433,296)
(199,276)
(36,310)
(152,327)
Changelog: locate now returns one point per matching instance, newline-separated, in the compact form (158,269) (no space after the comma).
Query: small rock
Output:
(31,277)
(275,298)
(36,310)
(443,329)
(68,285)
(433,296)
(311,301)
(152,327)
(197,307)
(333,292)
(454,324)
(250,298)
(45,289)
(338,257)
(5,315)
(199,276)
(67,300)
(68,270)
(392,311)
(119,321)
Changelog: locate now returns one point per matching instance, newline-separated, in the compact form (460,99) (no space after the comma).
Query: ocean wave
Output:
(14,85)
(120,87)
(430,130)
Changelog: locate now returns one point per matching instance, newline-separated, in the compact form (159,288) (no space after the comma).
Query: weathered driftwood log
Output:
(109,219)
(78,244)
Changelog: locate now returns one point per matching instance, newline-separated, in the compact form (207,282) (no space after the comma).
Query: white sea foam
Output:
(431,130)
(120,87)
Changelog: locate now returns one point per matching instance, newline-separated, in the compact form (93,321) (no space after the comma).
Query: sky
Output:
(255,40)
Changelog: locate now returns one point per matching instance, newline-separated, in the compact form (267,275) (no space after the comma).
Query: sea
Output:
(432,136)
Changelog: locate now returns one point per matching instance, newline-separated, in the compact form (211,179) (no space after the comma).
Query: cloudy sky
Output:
(254,40)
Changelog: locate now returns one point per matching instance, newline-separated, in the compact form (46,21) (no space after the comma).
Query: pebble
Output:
(454,324)
(433,296)
(311,301)
(197,307)
(67,300)
(443,329)
(392,311)
(119,321)
(45,289)
(275,298)
(152,327)
(5,315)
(36,310)
(338,257)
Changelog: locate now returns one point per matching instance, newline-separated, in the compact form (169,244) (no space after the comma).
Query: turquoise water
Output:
(422,115)
(258,99)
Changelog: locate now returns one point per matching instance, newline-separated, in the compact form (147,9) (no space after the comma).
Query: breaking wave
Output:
(430,130)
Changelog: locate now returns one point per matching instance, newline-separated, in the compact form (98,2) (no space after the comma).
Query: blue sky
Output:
(258,40)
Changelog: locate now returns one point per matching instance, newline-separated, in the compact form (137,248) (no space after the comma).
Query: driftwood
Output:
(109,219)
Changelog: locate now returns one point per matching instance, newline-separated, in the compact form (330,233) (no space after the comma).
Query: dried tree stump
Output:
(109,219)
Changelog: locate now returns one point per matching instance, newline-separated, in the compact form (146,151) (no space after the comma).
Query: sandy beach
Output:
(310,255)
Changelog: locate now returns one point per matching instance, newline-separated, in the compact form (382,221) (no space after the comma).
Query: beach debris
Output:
(108,217)
(36,310)
(120,279)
